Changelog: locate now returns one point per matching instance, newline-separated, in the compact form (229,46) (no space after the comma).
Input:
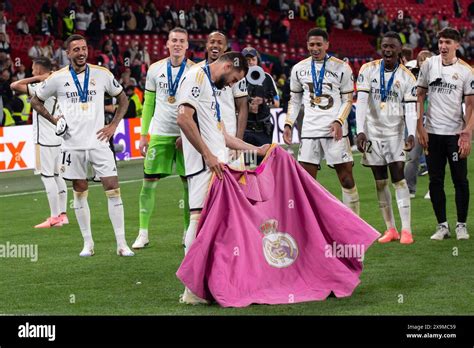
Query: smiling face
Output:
(216,45)
(447,48)
(391,49)
(252,61)
(177,44)
(77,53)
(317,47)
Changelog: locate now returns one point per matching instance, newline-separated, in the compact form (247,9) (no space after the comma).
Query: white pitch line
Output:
(90,185)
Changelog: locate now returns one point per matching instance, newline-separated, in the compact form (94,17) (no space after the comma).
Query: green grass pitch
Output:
(428,277)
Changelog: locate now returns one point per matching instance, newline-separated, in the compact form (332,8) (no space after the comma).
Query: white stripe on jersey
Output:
(389,120)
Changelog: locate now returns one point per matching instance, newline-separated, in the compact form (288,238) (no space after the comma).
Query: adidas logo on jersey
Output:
(67,84)
(374,80)
(162,75)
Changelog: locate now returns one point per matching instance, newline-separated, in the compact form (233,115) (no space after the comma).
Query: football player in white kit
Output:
(205,139)
(161,109)
(447,135)
(233,100)
(386,102)
(79,89)
(324,85)
(47,146)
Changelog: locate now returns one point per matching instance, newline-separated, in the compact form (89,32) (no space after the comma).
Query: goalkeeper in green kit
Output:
(160,110)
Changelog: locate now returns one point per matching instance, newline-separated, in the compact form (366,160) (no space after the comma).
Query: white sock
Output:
(191,232)
(83,216)
(350,198)
(385,202)
(403,201)
(62,193)
(116,216)
(52,194)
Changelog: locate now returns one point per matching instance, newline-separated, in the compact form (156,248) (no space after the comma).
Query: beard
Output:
(220,83)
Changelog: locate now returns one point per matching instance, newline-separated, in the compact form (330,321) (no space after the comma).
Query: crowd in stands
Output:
(355,15)
(100,24)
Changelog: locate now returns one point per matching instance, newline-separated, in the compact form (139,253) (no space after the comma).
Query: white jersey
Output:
(195,89)
(83,120)
(226,98)
(444,115)
(44,132)
(320,113)
(165,113)
(386,120)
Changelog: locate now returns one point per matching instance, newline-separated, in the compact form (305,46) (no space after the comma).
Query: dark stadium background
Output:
(132,34)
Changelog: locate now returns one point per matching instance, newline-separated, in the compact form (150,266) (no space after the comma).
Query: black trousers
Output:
(257,138)
(442,149)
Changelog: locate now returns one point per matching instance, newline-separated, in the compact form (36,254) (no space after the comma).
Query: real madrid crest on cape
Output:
(279,248)
(253,247)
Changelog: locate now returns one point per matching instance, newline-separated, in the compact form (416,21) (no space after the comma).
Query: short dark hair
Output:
(45,62)
(217,32)
(449,33)
(238,60)
(178,30)
(74,37)
(407,53)
(393,35)
(317,32)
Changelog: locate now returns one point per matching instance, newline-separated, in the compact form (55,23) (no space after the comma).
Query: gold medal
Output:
(219,125)
(382,105)
(317,100)
(84,106)
(171,99)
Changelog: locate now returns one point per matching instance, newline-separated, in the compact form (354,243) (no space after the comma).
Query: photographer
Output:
(262,94)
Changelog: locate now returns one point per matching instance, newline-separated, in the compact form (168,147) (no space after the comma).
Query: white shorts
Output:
(47,160)
(335,152)
(74,163)
(383,152)
(198,186)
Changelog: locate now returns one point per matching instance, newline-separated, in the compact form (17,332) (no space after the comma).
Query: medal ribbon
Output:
(385,92)
(83,92)
(318,84)
(208,74)
(173,86)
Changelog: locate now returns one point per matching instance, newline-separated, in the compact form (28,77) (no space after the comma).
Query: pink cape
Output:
(272,236)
